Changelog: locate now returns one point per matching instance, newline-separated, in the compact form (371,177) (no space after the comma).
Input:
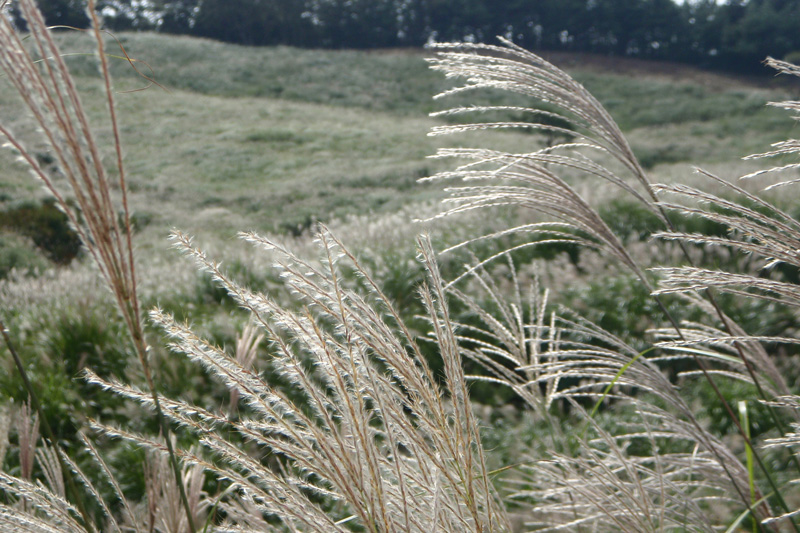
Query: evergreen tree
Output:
(737,34)
(70,13)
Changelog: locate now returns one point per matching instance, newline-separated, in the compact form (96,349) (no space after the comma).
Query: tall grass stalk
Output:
(49,93)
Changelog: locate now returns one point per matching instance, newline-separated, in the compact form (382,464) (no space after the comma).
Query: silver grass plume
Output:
(374,433)
(39,75)
(546,357)
(532,180)
(5,427)
(46,508)
(245,353)
(770,237)
(164,506)
(28,432)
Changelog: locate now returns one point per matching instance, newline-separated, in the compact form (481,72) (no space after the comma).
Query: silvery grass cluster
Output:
(366,436)
(564,357)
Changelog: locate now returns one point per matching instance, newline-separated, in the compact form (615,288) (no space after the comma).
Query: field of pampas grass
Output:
(563,344)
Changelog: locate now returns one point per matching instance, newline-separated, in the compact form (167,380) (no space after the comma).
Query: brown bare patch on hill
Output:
(667,70)
(625,66)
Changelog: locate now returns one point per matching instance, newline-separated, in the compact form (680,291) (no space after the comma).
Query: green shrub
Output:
(667,154)
(47,227)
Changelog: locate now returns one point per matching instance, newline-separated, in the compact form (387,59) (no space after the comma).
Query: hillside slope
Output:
(275,138)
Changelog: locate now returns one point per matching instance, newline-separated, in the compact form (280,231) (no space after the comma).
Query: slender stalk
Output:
(132,302)
(49,92)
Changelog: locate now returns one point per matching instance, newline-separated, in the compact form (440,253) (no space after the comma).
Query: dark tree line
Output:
(737,34)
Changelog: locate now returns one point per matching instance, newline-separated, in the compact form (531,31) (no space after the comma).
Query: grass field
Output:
(276,139)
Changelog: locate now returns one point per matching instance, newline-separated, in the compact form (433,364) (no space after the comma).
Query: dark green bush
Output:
(666,154)
(47,226)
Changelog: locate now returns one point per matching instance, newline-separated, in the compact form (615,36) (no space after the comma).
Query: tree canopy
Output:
(737,34)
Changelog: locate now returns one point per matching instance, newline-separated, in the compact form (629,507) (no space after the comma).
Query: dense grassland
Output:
(273,138)
(277,139)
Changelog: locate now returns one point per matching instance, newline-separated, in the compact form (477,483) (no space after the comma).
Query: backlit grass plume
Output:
(572,359)
(589,478)
(534,180)
(368,438)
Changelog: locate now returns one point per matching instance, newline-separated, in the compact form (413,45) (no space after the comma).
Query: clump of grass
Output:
(499,178)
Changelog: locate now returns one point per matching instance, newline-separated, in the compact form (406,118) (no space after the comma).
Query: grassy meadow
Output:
(277,139)
(274,140)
